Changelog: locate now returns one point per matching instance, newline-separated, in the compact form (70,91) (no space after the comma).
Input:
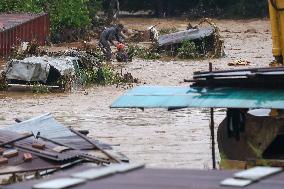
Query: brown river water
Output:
(157,137)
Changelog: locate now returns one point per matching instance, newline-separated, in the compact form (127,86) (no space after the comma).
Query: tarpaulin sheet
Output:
(185,97)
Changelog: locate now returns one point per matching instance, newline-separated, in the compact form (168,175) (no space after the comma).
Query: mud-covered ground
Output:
(158,138)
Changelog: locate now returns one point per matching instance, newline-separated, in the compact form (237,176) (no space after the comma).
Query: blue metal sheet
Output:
(184,97)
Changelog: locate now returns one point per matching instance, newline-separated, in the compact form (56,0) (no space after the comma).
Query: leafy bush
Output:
(21,6)
(142,52)
(39,88)
(69,14)
(63,13)
(187,50)
(105,75)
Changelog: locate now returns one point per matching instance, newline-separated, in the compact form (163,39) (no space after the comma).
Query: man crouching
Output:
(107,36)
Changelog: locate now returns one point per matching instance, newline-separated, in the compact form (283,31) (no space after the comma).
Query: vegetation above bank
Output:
(72,14)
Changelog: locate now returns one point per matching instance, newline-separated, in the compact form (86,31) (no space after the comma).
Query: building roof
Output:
(146,179)
(8,20)
(194,97)
(246,88)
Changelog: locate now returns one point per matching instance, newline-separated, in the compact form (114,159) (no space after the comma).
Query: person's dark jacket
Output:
(110,34)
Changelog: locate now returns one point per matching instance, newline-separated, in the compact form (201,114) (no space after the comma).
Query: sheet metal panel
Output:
(45,124)
(48,152)
(186,97)
(52,129)
(190,34)
(158,179)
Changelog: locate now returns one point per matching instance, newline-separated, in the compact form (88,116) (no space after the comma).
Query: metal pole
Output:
(96,146)
(212,127)
(16,140)
(212,137)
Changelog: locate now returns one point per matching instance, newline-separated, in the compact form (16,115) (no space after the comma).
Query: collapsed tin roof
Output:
(42,143)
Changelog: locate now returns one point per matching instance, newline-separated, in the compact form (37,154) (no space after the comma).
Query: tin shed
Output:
(19,27)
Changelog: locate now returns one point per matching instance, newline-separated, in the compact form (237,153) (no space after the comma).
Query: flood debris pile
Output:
(196,42)
(26,49)
(139,36)
(41,146)
(200,41)
(164,31)
(3,83)
(37,71)
(62,70)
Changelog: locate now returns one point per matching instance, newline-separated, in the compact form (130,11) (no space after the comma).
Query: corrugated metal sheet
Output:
(157,179)
(17,28)
(52,129)
(48,152)
(183,97)
(190,34)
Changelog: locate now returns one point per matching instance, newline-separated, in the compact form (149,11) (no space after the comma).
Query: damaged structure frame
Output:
(43,144)
(238,91)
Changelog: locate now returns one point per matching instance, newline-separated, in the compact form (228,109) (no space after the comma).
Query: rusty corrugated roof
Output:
(8,20)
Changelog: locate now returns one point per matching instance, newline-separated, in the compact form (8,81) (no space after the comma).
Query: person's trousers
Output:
(106,49)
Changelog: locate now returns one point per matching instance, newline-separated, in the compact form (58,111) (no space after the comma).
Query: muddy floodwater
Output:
(159,138)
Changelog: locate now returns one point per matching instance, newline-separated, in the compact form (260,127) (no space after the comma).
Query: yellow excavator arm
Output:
(276,11)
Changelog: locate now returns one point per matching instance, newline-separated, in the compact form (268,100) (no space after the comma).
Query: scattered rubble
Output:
(85,65)
(239,63)
(196,42)
(25,49)
(139,36)
(61,70)
(42,145)
(3,83)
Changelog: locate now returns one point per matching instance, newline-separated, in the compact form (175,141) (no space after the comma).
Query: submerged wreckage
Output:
(46,70)
(42,145)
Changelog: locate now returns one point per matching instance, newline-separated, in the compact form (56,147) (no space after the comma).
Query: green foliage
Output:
(105,75)
(69,14)
(39,88)
(93,7)
(250,8)
(188,50)
(200,8)
(21,5)
(3,83)
(142,52)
